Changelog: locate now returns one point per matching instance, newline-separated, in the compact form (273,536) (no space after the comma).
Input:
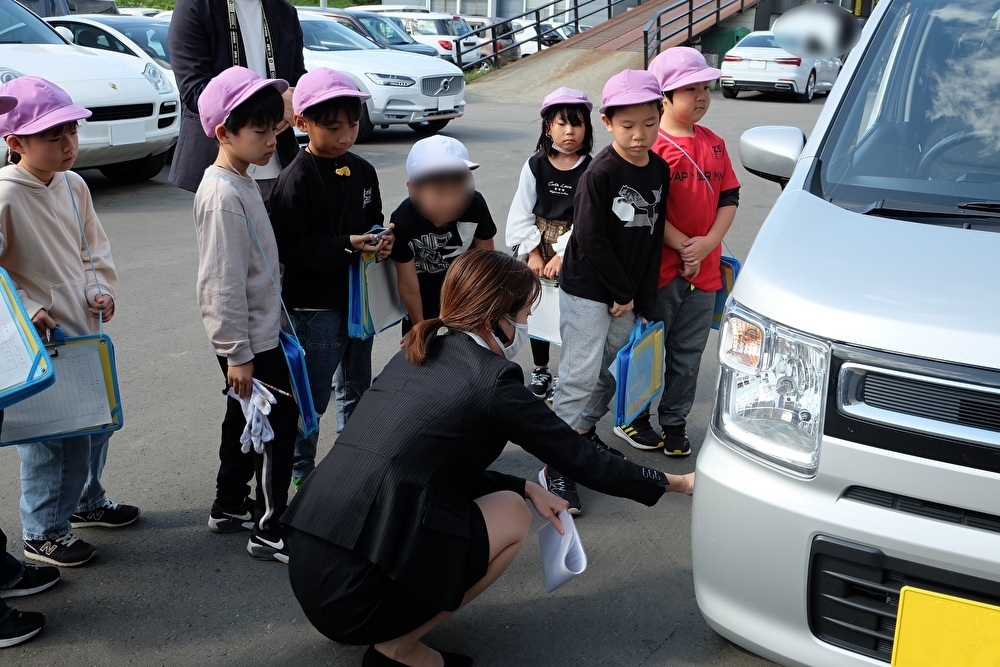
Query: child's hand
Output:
(240,378)
(536,263)
(103,308)
(620,310)
(691,270)
(696,248)
(43,322)
(385,244)
(553,268)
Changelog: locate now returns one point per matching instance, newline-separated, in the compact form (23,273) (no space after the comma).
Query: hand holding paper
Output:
(562,555)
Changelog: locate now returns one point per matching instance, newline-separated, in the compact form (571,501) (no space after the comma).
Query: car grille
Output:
(168,111)
(929,409)
(440,86)
(854,594)
(924,508)
(122,112)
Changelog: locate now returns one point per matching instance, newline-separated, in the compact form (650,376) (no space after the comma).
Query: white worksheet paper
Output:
(77,400)
(562,555)
(15,357)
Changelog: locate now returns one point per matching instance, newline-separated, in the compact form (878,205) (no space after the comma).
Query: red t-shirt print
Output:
(692,203)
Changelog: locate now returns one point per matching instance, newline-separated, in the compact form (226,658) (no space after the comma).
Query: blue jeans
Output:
(324,338)
(60,478)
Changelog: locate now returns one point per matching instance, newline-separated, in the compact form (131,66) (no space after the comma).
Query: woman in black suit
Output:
(402,523)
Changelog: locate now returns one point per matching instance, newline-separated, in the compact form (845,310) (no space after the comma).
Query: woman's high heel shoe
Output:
(373,658)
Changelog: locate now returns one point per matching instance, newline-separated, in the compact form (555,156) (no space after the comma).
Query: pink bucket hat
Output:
(323,84)
(227,91)
(565,95)
(681,66)
(41,105)
(628,87)
(7,103)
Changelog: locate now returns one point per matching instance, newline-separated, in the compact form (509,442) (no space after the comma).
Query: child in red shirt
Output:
(701,206)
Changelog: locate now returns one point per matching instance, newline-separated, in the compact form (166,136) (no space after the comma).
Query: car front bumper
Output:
(106,142)
(415,108)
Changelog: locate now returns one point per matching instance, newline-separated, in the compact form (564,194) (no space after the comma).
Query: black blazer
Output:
(398,486)
(199,50)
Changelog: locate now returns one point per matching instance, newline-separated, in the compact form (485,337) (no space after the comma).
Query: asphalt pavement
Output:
(169,592)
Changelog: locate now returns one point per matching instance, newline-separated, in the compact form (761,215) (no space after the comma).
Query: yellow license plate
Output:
(934,630)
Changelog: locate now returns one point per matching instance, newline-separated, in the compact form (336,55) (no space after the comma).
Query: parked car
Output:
(136,115)
(422,92)
(758,63)
(139,11)
(46,8)
(438,30)
(846,512)
(498,40)
(525,30)
(141,37)
(380,29)
(381,9)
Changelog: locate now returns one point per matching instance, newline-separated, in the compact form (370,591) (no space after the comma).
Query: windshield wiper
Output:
(984,206)
(889,208)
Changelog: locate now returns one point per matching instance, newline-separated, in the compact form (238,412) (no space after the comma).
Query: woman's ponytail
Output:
(420,339)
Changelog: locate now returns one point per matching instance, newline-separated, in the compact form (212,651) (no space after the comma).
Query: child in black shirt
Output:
(442,218)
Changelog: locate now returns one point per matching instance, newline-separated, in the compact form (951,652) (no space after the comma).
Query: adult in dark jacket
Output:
(201,46)
(402,524)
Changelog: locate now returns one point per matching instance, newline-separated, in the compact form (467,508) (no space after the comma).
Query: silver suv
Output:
(848,503)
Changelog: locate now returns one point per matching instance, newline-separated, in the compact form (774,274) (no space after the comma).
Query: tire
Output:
(365,127)
(810,91)
(730,93)
(136,171)
(429,127)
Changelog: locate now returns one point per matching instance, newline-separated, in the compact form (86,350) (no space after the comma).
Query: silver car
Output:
(847,509)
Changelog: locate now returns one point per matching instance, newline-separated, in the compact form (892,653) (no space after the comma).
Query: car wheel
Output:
(810,91)
(136,171)
(365,127)
(730,93)
(429,127)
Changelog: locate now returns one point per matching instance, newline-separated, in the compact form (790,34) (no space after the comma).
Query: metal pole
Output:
(538,29)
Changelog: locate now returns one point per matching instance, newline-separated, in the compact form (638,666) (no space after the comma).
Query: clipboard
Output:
(25,367)
(543,322)
(85,400)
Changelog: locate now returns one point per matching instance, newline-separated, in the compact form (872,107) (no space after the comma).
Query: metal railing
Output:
(653,36)
(472,57)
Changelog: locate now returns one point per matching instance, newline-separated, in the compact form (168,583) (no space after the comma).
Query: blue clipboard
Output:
(84,400)
(24,363)
(638,371)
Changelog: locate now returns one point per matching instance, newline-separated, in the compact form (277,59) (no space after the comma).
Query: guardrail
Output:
(497,37)
(653,36)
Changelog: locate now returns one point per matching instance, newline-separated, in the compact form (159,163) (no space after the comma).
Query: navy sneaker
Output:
(640,434)
(231,519)
(66,551)
(264,548)
(600,445)
(676,442)
(33,580)
(561,486)
(110,515)
(541,383)
(19,627)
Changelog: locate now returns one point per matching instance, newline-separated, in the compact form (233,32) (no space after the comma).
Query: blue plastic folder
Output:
(373,302)
(296,360)
(84,400)
(730,267)
(638,371)
(25,367)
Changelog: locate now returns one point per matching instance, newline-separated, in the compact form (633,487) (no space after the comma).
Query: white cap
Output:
(437,155)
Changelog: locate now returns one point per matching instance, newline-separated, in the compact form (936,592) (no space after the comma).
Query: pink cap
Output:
(41,105)
(681,66)
(628,87)
(7,103)
(229,90)
(564,95)
(321,85)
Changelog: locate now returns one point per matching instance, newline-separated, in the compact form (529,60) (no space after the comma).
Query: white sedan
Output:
(136,115)
(420,91)
(758,63)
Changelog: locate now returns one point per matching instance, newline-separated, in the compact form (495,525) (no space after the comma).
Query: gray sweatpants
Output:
(591,339)
(686,314)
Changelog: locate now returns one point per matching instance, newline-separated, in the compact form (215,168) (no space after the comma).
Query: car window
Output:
(458,27)
(425,26)
(96,38)
(19,26)
(327,35)
(151,39)
(758,42)
(386,32)
(918,121)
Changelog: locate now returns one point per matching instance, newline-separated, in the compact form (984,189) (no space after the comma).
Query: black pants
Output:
(273,468)
(10,567)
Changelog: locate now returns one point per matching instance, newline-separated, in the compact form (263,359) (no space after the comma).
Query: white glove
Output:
(258,429)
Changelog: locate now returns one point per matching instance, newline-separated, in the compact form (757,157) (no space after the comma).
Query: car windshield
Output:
(19,26)
(758,42)
(327,35)
(385,31)
(150,35)
(918,122)
(454,26)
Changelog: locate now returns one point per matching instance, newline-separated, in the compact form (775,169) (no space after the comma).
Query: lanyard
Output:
(234,39)
(691,159)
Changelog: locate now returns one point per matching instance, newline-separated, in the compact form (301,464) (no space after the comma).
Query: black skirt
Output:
(352,601)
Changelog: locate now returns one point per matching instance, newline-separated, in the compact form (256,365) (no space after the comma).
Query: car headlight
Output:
(393,80)
(7,74)
(156,77)
(772,391)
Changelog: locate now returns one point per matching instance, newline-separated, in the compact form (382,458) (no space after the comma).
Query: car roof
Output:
(111,19)
(436,16)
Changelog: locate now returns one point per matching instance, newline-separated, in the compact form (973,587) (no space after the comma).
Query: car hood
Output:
(384,61)
(90,78)
(915,289)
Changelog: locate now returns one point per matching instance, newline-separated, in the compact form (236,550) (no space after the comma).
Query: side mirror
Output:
(65,33)
(772,151)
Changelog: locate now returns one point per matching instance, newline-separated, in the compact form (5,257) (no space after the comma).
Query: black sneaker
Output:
(561,486)
(263,548)
(600,445)
(640,434)
(65,551)
(541,382)
(232,519)
(19,627)
(676,442)
(112,515)
(552,389)
(33,580)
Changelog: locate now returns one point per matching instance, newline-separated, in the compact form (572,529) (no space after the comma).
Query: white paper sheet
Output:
(384,304)
(78,399)
(563,556)
(543,323)
(15,358)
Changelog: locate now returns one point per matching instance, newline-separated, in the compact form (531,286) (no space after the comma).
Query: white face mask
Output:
(520,338)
